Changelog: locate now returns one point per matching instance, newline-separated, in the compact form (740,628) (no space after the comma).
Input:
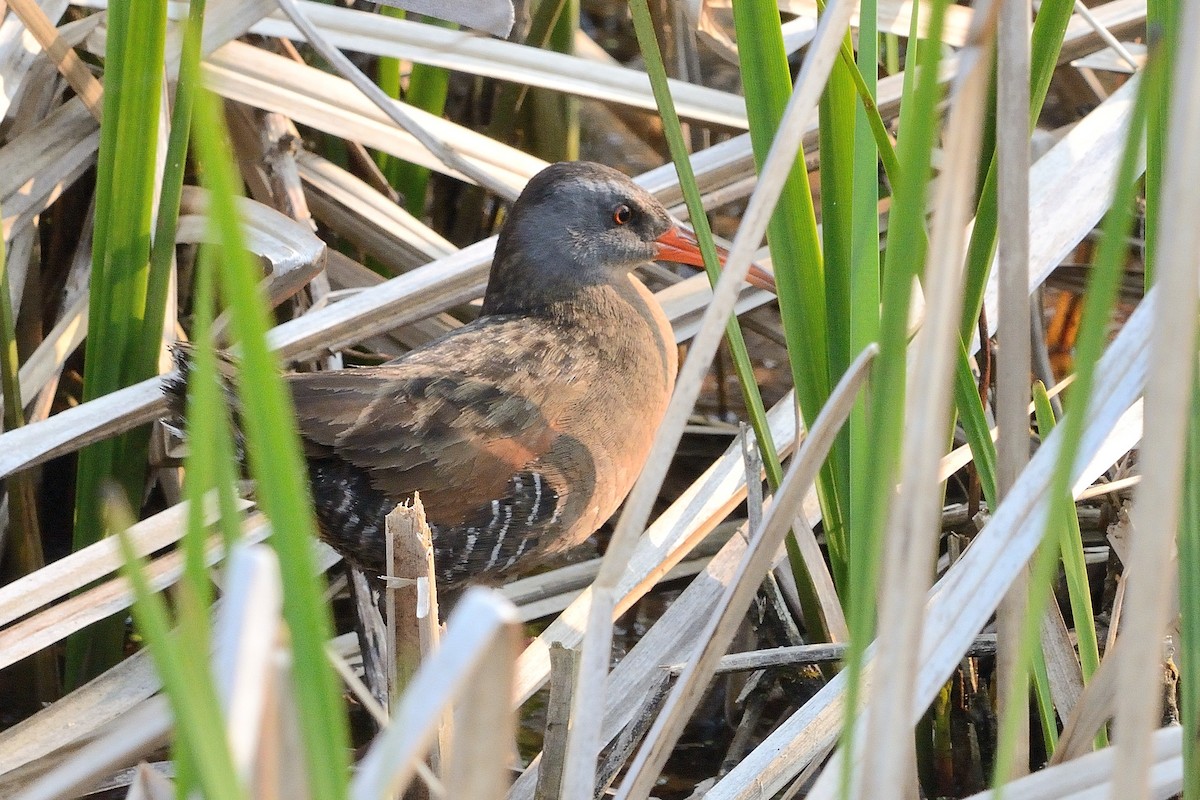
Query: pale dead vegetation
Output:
(637,707)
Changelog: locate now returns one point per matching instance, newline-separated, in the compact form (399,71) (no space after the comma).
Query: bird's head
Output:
(579,224)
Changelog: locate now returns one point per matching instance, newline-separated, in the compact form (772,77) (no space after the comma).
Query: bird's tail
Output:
(175,387)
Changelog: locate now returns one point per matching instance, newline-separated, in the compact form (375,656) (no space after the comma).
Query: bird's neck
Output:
(625,313)
(551,283)
(599,304)
(620,306)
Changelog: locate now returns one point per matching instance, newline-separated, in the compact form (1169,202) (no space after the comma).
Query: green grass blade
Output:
(795,246)
(865,292)
(117,307)
(552,127)
(863,307)
(162,251)
(862,71)
(837,128)
(1189,605)
(510,99)
(183,667)
(903,262)
(387,75)
(975,425)
(891,56)
(428,88)
(22,546)
(127,247)
(1029,655)
(1162,25)
(912,56)
(209,466)
(643,28)
(274,455)
(1045,702)
(210,462)
(1071,541)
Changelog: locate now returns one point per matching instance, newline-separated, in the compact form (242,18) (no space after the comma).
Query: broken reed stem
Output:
(809,654)
(486,721)
(375,644)
(631,735)
(411,591)
(410,603)
(558,714)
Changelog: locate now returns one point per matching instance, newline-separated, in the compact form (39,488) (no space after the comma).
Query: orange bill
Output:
(681,247)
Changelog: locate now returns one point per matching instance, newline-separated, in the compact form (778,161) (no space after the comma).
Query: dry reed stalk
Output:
(411,608)
(1092,711)
(1062,663)
(558,717)
(147,729)
(1156,509)
(1091,776)
(1015,351)
(493,16)
(86,87)
(466,52)
(247,640)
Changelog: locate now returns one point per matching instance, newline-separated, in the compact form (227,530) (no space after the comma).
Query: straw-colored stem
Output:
(1014,356)
(1168,410)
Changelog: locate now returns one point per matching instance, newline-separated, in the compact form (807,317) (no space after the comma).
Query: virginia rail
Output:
(525,429)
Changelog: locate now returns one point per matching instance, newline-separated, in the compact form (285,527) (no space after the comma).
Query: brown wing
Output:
(455,421)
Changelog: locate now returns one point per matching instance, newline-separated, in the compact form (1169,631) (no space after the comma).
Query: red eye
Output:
(622,214)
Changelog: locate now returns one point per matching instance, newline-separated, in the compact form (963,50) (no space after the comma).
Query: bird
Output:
(524,429)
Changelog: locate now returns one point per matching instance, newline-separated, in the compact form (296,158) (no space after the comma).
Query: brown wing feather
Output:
(456,435)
